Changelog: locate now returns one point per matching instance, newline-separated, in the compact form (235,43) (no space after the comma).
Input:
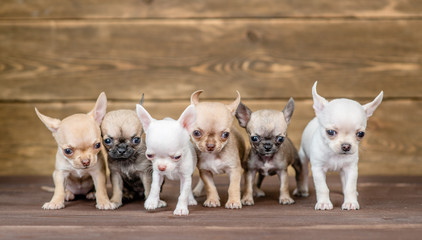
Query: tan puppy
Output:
(272,151)
(79,167)
(220,149)
(131,171)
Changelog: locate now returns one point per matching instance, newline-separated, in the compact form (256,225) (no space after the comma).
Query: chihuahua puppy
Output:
(331,142)
(131,171)
(220,149)
(79,166)
(172,155)
(272,151)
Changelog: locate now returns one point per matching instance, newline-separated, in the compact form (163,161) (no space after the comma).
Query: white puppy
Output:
(172,155)
(331,142)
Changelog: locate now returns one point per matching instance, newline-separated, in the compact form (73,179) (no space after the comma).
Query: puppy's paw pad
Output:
(69,196)
(300,193)
(233,204)
(286,200)
(90,196)
(181,211)
(247,201)
(105,206)
(53,205)
(323,206)
(350,206)
(192,202)
(212,203)
(161,204)
(259,193)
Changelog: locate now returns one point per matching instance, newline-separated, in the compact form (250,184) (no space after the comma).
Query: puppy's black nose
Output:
(268,147)
(210,147)
(346,147)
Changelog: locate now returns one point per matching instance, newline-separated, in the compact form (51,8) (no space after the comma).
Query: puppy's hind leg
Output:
(198,191)
(302,171)
(257,191)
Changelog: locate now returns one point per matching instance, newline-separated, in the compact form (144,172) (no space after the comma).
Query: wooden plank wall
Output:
(59,55)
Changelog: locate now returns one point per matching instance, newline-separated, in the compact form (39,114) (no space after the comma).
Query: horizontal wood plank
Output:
(93,9)
(168,60)
(393,145)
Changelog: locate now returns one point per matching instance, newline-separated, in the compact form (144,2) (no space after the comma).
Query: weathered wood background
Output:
(59,55)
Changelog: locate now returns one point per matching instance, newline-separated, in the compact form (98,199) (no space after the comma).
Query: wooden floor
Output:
(391,208)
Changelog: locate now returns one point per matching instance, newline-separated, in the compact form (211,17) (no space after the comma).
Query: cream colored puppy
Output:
(220,149)
(79,166)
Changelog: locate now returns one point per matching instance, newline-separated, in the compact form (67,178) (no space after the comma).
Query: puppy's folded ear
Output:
(144,116)
(187,118)
(100,108)
(233,106)
(288,110)
(51,123)
(370,107)
(319,102)
(243,114)
(194,98)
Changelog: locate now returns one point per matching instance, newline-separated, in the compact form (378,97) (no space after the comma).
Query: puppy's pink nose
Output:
(162,167)
(210,147)
(86,162)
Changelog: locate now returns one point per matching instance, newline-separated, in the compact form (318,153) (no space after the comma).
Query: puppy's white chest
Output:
(211,163)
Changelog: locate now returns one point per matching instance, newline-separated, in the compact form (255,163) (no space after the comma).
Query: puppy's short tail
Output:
(47,189)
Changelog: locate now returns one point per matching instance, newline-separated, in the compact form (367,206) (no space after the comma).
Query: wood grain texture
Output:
(393,145)
(167,59)
(93,9)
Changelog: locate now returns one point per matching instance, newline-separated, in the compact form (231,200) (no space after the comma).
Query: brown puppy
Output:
(272,151)
(79,167)
(220,149)
(131,171)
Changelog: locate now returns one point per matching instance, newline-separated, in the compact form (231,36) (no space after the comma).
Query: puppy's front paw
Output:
(53,205)
(233,204)
(161,204)
(350,206)
(212,203)
(258,193)
(192,202)
(181,211)
(286,200)
(323,206)
(247,201)
(151,204)
(105,205)
(300,193)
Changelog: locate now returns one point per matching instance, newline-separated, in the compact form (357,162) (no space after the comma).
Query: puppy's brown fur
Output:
(79,166)
(131,171)
(271,150)
(220,149)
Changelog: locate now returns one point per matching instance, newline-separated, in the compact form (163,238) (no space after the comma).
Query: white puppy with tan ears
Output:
(331,142)
(172,155)
(80,165)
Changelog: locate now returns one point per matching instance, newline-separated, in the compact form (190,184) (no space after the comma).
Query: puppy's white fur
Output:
(84,168)
(327,153)
(172,155)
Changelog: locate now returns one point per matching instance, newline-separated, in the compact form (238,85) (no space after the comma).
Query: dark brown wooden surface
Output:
(390,209)
(93,9)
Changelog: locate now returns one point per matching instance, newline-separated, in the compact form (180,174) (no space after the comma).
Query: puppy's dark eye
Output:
(177,157)
(279,139)
(225,135)
(136,140)
(68,151)
(150,156)
(254,138)
(197,133)
(107,141)
(331,133)
(360,134)
(97,145)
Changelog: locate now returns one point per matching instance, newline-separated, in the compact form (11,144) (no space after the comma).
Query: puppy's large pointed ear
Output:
(370,107)
(51,123)
(319,102)
(243,114)
(233,106)
(194,98)
(288,110)
(144,116)
(187,118)
(100,108)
